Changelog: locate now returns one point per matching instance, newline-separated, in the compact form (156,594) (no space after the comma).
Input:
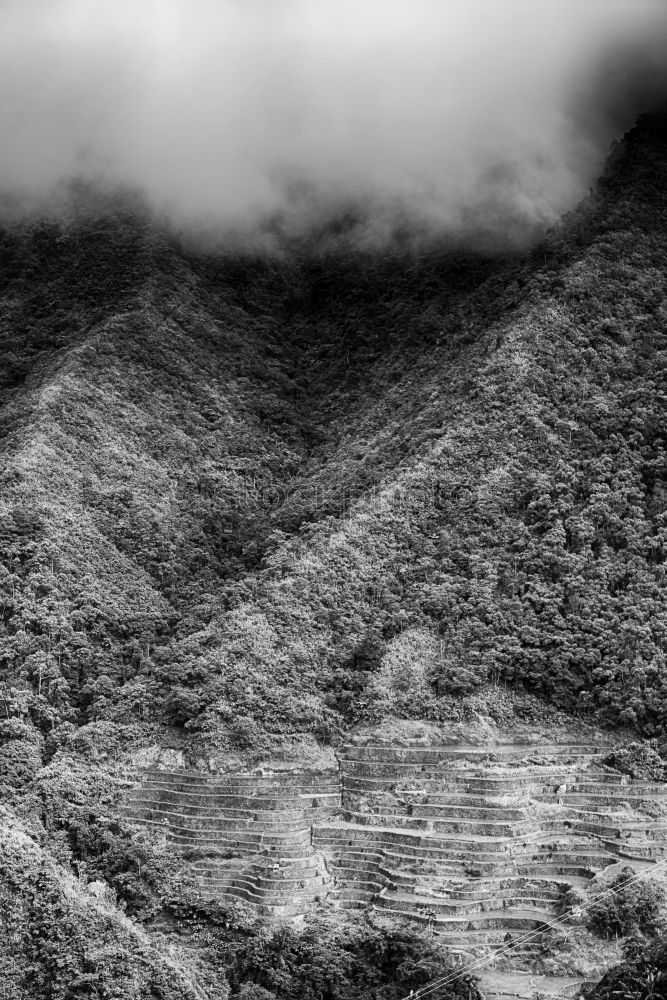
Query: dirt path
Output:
(524,985)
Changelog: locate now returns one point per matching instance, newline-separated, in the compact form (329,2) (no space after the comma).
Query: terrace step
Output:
(379,751)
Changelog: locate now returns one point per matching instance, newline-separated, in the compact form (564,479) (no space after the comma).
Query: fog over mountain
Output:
(451,114)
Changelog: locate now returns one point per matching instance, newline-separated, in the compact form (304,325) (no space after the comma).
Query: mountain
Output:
(251,500)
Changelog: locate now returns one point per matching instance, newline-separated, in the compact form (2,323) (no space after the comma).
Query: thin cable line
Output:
(466,970)
(451,977)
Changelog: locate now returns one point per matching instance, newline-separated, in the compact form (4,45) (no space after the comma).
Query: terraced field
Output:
(246,836)
(478,843)
(475,843)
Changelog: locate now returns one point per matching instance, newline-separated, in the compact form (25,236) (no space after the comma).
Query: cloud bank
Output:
(451,114)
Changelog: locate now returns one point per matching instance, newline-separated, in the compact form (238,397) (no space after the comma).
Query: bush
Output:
(639,760)
(641,975)
(631,909)
(358,962)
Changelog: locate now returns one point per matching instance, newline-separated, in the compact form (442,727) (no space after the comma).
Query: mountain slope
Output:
(63,939)
(232,487)
(517,531)
(249,501)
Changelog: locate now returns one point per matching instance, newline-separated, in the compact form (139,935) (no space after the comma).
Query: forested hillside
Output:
(251,497)
(239,493)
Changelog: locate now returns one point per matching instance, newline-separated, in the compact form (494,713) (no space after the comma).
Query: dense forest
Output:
(250,497)
(305,468)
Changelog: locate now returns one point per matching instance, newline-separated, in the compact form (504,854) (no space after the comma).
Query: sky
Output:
(452,114)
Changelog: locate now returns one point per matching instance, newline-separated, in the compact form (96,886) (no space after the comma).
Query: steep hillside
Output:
(218,469)
(61,938)
(252,500)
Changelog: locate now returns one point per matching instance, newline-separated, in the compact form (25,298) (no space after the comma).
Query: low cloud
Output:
(444,115)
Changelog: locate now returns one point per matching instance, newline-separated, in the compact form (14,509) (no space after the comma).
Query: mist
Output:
(450,116)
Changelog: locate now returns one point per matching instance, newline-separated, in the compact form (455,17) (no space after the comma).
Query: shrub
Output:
(639,760)
(631,909)
(359,961)
(641,975)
